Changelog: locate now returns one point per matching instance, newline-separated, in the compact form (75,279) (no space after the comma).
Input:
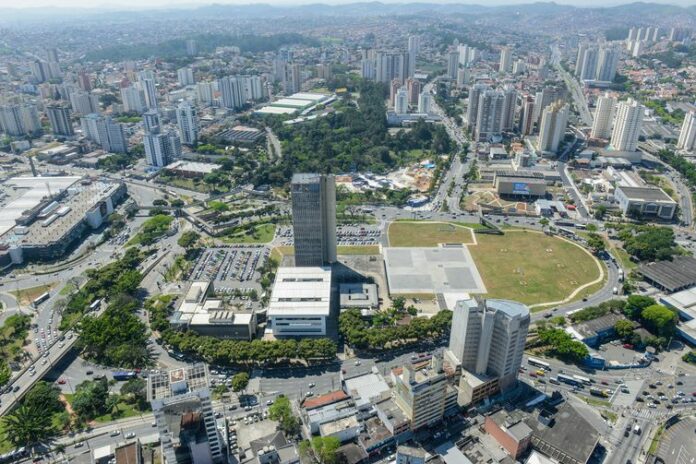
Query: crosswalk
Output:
(647,413)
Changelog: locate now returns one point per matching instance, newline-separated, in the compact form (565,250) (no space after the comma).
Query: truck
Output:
(636,429)
(615,290)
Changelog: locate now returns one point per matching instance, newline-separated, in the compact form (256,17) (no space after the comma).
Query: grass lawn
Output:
(594,401)
(427,234)
(263,233)
(27,295)
(127,410)
(357,250)
(531,267)
(655,443)
(67,290)
(152,230)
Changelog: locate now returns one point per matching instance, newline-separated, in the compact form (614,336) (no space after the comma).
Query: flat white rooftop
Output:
(292,102)
(301,291)
(276,110)
(313,97)
(37,188)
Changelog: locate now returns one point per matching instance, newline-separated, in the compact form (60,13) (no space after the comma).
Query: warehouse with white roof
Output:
(300,302)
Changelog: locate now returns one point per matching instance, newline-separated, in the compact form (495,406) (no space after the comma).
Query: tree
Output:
(29,427)
(134,391)
(240,381)
(44,397)
(624,329)
(90,399)
(281,411)
(635,304)
(595,242)
(660,320)
(189,239)
(325,449)
(544,222)
(599,212)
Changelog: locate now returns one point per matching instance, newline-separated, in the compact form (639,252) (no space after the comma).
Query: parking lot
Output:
(230,268)
(349,234)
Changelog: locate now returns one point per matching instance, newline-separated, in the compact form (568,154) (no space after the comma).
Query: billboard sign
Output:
(520,188)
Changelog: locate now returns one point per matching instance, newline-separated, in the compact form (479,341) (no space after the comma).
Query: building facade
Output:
(314,219)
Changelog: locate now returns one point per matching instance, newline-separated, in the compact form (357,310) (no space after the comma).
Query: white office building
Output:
(300,303)
(603,117)
(149,88)
(205,93)
(425,101)
(401,101)
(19,119)
(509,107)
(629,117)
(161,148)
(687,135)
(84,102)
(413,48)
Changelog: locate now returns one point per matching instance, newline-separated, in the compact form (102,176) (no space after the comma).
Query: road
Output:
(573,86)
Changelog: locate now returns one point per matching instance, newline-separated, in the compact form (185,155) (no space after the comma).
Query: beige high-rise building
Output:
(603,117)
(421,394)
(554,120)
(629,117)
(505,60)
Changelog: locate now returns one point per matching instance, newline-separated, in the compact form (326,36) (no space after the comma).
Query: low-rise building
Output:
(527,184)
(510,430)
(359,296)
(200,312)
(595,331)
(190,169)
(645,201)
(345,429)
(300,303)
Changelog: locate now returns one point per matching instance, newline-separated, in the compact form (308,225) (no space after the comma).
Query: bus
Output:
(581,226)
(95,304)
(583,380)
(539,363)
(124,375)
(40,299)
(568,379)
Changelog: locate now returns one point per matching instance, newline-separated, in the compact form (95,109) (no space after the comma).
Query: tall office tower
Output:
(462,77)
(632,33)
(588,64)
(519,67)
(582,48)
(655,34)
(182,405)
(505,64)
(553,125)
(420,393)
(17,120)
(187,119)
(413,48)
(394,87)
(253,88)
(509,107)
(191,47)
(367,69)
(149,88)
(603,117)
(401,101)
(490,114)
(527,119)
(205,92)
(606,64)
(105,132)
(463,55)
(475,92)
(294,80)
(151,121)
(59,116)
(425,102)
(391,65)
(133,99)
(230,92)
(83,81)
(414,89)
(488,338)
(185,76)
(324,71)
(84,103)
(452,64)
(547,96)
(314,219)
(39,71)
(627,124)
(687,135)
(161,149)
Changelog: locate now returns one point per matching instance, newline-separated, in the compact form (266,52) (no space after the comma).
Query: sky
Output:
(189,3)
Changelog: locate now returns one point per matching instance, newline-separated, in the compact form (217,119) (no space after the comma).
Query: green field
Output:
(343,250)
(427,234)
(531,267)
(263,233)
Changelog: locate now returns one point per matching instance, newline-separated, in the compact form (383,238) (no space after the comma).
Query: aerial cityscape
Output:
(356,233)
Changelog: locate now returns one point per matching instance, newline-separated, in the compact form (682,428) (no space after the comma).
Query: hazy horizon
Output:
(139,4)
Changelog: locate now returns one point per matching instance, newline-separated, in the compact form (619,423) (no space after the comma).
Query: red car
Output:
(628,346)
(532,374)
(61,381)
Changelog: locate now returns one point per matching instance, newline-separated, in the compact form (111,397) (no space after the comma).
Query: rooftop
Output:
(365,387)
(358,295)
(301,290)
(652,194)
(198,310)
(323,400)
(192,166)
(175,382)
(338,425)
(678,274)
(590,328)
